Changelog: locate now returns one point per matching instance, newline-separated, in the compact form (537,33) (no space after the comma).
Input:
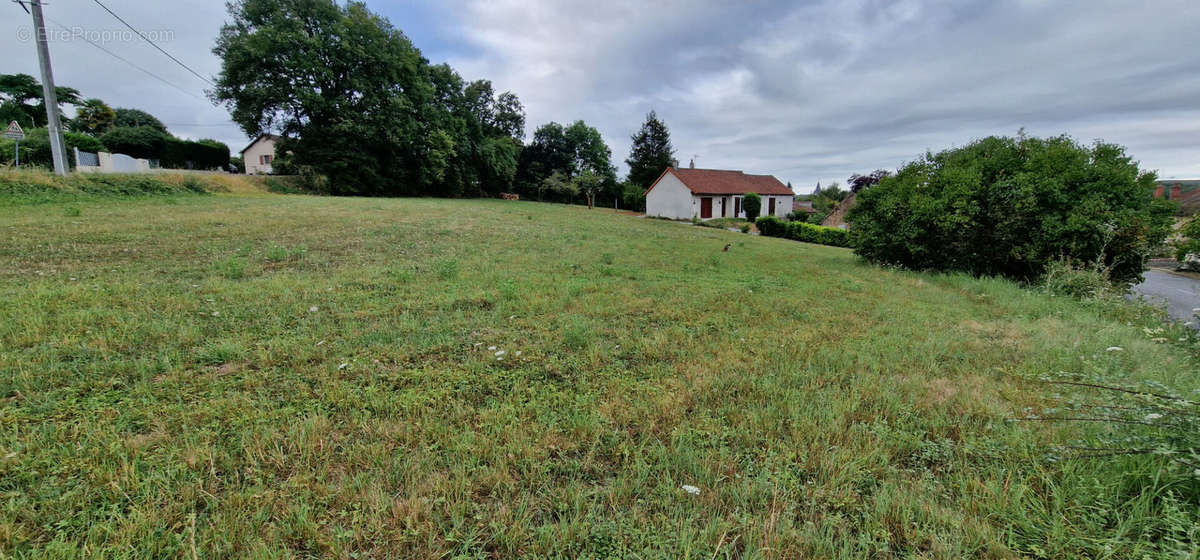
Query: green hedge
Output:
(801,231)
(35,149)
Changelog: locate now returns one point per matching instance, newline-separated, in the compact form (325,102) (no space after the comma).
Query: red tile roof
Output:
(718,181)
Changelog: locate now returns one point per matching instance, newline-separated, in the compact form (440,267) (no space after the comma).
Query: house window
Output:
(265,159)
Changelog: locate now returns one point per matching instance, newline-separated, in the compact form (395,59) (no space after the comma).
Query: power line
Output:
(126,61)
(153,44)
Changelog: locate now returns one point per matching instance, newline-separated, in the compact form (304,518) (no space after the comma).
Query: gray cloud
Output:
(185,28)
(807,91)
(816,91)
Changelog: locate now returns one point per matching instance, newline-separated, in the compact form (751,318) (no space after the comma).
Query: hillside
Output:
(294,376)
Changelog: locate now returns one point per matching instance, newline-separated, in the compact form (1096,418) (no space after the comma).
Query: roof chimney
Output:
(1176,191)
(692,164)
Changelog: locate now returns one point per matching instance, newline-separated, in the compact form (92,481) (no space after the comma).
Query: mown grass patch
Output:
(293,376)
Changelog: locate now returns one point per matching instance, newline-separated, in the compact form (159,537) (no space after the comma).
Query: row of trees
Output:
(97,126)
(355,101)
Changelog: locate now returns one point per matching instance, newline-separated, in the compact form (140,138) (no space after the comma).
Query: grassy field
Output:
(268,376)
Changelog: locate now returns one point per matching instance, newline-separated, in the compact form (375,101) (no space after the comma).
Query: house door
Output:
(737,206)
(724,205)
(705,208)
(771,206)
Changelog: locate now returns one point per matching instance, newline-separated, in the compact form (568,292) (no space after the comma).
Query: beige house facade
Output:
(259,156)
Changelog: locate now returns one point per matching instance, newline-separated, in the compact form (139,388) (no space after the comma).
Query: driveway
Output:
(1180,293)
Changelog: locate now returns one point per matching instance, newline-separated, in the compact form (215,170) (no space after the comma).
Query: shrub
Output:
(752,205)
(1011,206)
(1065,278)
(803,231)
(745,228)
(35,149)
(771,226)
(1189,239)
(140,142)
(186,154)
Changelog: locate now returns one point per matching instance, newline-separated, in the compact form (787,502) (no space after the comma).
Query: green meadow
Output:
(249,375)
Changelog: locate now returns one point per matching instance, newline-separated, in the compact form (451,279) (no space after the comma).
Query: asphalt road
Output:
(1180,294)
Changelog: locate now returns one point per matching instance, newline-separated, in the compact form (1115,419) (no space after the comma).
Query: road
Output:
(1181,294)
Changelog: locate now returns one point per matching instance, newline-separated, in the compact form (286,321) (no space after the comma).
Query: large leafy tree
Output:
(571,151)
(95,117)
(1009,206)
(350,93)
(651,153)
(356,101)
(131,118)
(858,182)
(21,100)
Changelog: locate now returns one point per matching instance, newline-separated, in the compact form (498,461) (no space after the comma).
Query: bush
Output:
(1189,240)
(1011,206)
(35,149)
(802,231)
(745,228)
(1064,278)
(752,205)
(186,154)
(141,142)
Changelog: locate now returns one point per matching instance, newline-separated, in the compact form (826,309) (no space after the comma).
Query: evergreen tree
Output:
(652,152)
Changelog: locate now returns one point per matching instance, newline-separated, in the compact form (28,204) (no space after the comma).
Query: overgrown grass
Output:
(271,376)
(23,187)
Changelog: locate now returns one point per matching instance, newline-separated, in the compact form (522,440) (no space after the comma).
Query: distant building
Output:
(1184,191)
(259,156)
(714,193)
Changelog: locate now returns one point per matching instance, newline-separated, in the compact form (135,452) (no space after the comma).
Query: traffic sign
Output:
(14,132)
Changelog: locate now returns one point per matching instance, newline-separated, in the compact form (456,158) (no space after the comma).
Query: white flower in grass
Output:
(491,348)
(313,309)
(216,313)
(500,353)
(517,353)
(1114,349)
(691,489)
(343,366)
(1153,416)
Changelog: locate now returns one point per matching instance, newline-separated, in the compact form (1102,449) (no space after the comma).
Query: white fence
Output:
(104,162)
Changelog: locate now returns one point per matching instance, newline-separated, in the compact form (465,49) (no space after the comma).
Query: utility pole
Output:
(53,123)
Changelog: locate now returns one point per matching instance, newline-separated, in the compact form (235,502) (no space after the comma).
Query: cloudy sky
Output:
(807,91)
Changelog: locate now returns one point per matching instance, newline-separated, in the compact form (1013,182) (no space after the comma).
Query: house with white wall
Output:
(260,155)
(714,193)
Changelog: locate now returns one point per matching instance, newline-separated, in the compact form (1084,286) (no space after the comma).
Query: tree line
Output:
(98,127)
(356,102)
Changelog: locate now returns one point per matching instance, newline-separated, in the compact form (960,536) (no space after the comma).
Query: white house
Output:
(714,193)
(260,154)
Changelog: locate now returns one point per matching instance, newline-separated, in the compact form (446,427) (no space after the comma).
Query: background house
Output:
(1184,191)
(260,155)
(714,193)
